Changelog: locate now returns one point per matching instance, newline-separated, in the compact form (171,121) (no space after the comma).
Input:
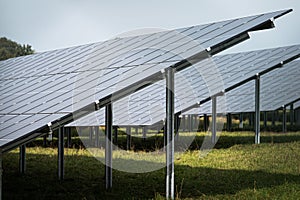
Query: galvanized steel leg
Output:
(165,137)
(177,124)
(205,122)
(128,138)
(190,120)
(96,129)
(144,132)
(115,134)
(69,138)
(265,119)
(22,159)
(284,119)
(250,120)
(214,120)
(1,172)
(170,133)
(253,119)
(241,125)
(183,123)
(91,136)
(273,118)
(44,141)
(296,118)
(292,114)
(61,153)
(257,109)
(229,122)
(196,122)
(108,146)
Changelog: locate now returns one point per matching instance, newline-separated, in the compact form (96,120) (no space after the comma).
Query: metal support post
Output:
(69,138)
(214,120)
(196,122)
(128,138)
(22,159)
(265,119)
(273,118)
(115,135)
(136,130)
(292,114)
(190,122)
(229,120)
(144,129)
(61,172)
(183,123)
(253,119)
(297,116)
(44,140)
(108,146)
(205,122)
(257,109)
(250,119)
(177,124)
(284,118)
(165,136)
(96,131)
(170,133)
(241,125)
(91,136)
(193,124)
(1,172)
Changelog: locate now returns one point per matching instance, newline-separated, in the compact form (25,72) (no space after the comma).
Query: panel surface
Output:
(199,82)
(279,87)
(61,82)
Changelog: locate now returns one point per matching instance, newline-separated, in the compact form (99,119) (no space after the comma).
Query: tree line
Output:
(11,49)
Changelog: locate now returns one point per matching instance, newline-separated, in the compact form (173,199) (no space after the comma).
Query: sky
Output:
(55,24)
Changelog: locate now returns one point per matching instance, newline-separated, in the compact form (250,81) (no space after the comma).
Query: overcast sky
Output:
(54,24)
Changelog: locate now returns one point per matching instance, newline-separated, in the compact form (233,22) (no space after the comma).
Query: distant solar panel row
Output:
(278,88)
(193,85)
(297,105)
(51,86)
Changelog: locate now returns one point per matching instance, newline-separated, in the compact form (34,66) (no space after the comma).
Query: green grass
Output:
(236,169)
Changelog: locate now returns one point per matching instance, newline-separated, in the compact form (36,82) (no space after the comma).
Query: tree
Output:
(10,49)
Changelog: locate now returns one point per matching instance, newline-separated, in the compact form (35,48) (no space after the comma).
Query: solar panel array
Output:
(198,83)
(47,87)
(277,88)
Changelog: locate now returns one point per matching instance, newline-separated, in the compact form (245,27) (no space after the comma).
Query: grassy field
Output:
(235,169)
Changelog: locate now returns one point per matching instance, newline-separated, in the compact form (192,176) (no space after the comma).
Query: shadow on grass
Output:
(84,179)
(229,141)
(225,141)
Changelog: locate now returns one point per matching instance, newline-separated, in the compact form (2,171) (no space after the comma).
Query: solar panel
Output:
(278,88)
(145,107)
(297,105)
(67,82)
